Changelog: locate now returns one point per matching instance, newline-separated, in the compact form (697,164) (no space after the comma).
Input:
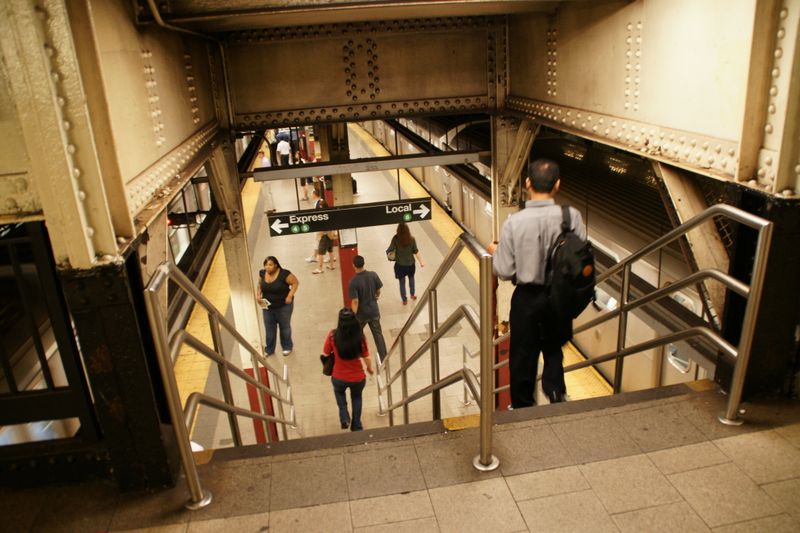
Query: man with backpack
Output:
(523,255)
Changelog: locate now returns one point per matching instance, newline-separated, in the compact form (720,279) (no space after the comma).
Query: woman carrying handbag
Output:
(349,347)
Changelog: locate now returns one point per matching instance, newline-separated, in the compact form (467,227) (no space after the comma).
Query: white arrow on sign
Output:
(277,227)
(422,211)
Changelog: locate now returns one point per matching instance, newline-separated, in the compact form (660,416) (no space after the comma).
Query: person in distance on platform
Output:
(284,150)
(264,162)
(364,290)
(349,348)
(521,255)
(276,289)
(299,159)
(405,249)
(325,240)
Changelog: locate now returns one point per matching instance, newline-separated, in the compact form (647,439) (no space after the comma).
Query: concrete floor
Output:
(634,462)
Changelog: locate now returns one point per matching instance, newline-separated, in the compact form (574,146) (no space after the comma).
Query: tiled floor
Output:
(747,481)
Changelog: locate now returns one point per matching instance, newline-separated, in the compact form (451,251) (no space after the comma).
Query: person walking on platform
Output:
(349,347)
(364,290)
(276,289)
(405,249)
(325,240)
(521,256)
(299,159)
(284,152)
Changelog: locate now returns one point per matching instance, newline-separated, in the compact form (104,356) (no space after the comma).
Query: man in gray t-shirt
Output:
(364,290)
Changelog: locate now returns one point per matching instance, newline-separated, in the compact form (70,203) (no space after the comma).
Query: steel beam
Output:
(46,86)
(223,179)
(371,164)
(707,249)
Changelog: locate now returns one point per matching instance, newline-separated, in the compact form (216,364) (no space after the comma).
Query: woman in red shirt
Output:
(349,347)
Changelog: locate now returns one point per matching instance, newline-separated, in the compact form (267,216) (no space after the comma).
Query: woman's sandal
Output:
(331,267)
(317,271)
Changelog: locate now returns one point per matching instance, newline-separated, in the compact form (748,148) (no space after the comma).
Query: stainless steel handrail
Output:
(482,324)
(167,349)
(752,293)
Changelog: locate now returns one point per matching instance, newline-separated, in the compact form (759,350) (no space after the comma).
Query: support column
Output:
(334,146)
(705,245)
(224,181)
(773,361)
(511,144)
(110,320)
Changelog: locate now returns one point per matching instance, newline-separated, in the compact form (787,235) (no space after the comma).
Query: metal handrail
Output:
(481,323)
(752,293)
(167,349)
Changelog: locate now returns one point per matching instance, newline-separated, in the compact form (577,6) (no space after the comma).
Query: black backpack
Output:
(570,278)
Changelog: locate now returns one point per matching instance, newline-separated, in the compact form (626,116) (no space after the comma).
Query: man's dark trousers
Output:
(529,325)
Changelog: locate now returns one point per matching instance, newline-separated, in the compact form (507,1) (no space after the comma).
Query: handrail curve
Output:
(167,349)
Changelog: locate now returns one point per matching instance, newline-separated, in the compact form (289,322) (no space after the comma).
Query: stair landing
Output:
(653,460)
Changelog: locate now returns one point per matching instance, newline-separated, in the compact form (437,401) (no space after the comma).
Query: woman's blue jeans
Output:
(278,318)
(356,388)
(401,273)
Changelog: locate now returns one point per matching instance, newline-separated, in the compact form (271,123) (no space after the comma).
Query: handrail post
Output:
(485,461)
(404,378)
(281,413)
(198,497)
(224,378)
(622,329)
(386,365)
(433,318)
(730,416)
(465,401)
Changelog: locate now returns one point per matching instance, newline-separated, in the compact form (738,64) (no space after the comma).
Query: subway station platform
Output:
(320,296)
(653,460)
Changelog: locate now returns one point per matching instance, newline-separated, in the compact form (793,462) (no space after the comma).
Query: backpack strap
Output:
(566,219)
(566,226)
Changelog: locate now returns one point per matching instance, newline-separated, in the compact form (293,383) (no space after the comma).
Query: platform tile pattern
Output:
(551,479)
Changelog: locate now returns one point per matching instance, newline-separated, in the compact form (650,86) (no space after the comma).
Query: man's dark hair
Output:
(358,261)
(543,174)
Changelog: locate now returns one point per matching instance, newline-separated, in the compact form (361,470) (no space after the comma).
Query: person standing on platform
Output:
(364,290)
(405,249)
(284,152)
(265,163)
(300,159)
(521,256)
(325,240)
(349,347)
(276,289)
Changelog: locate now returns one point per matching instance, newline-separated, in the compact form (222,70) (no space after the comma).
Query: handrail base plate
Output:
(723,417)
(196,506)
(485,468)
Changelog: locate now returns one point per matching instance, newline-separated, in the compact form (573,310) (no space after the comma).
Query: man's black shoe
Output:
(555,397)
(345,425)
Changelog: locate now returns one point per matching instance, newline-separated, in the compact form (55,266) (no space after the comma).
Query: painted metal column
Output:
(224,180)
(110,322)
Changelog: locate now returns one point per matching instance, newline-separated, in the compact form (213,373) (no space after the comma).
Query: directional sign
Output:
(349,216)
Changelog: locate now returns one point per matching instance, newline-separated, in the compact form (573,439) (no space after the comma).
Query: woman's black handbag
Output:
(327,363)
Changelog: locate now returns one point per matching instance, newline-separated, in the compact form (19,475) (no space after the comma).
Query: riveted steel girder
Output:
(371,164)
(672,81)
(360,71)
(46,86)
(227,15)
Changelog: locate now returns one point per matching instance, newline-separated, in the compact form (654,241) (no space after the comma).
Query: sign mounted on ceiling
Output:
(349,216)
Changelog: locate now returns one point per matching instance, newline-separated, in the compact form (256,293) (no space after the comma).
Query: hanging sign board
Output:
(349,216)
